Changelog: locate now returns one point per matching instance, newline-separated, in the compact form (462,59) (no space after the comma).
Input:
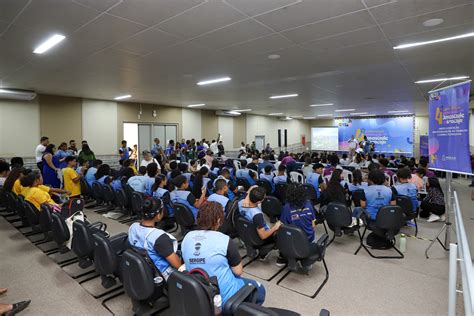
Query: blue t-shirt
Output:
(221,199)
(301,217)
(263,164)
(186,198)
(280,179)
(377,196)
(315,179)
(126,153)
(137,183)
(410,190)
(90,176)
(254,215)
(149,185)
(245,173)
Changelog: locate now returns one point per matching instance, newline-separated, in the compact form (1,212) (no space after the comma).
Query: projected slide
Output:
(389,134)
(324,138)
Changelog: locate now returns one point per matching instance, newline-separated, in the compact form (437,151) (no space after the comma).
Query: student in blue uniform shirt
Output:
(264,163)
(316,178)
(249,175)
(249,208)
(181,195)
(200,182)
(124,152)
(221,189)
(102,173)
(268,176)
(138,182)
(233,189)
(216,253)
(90,174)
(151,172)
(376,195)
(403,187)
(160,192)
(357,183)
(281,176)
(160,246)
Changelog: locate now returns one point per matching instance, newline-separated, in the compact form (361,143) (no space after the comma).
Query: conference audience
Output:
(181,195)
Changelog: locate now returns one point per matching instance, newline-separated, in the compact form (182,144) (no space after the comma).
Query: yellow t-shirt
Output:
(26,190)
(36,196)
(134,169)
(69,185)
(17,187)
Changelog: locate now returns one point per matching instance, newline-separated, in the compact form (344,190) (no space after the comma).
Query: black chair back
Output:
(59,229)
(248,233)
(184,217)
(85,189)
(337,215)
(31,213)
(272,207)
(266,185)
(310,191)
(108,193)
(137,202)
(181,287)
(137,276)
(390,219)
(293,242)
(45,219)
(120,199)
(357,196)
(406,204)
(82,244)
(97,191)
(11,202)
(280,192)
(244,183)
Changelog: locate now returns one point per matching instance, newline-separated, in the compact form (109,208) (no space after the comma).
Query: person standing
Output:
(72,148)
(213,147)
(124,152)
(268,149)
(156,147)
(352,147)
(39,151)
(220,149)
(51,167)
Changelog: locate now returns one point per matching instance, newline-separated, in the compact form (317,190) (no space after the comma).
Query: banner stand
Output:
(447,224)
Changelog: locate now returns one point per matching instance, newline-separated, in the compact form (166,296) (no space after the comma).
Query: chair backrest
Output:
(357,196)
(310,191)
(31,213)
(137,202)
(248,232)
(296,177)
(120,198)
(232,212)
(59,228)
(266,185)
(137,276)
(108,193)
(347,175)
(187,296)
(406,204)
(183,215)
(45,219)
(105,258)
(243,182)
(252,309)
(97,190)
(237,164)
(11,201)
(18,204)
(280,190)
(338,215)
(390,218)
(82,244)
(271,206)
(85,189)
(293,242)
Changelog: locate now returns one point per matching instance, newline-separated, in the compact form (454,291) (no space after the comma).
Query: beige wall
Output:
(128,112)
(99,125)
(240,130)
(60,118)
(209,123)
(192,124)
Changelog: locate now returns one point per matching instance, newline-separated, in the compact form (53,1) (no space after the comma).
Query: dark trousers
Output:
(40,166)
(427,208)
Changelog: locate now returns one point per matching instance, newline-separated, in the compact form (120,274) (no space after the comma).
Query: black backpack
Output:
(209,284)
(377,242)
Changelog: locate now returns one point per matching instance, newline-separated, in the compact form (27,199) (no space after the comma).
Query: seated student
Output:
(184,170)
(403,187)
(200,182)
(307,167)
(160,192)
(215,167)
(246,173)
(253,165)
(215,253)
(160,246)
(219,196)
(72,180)
(268,176)
(138,182)
(417,178)
(281,175)
(433,205)
(316,178)
(4,171)
(249,209)
(333,161)
(357,182)
(151,172)
(12,182)
(357,162)
(264,163)
(376,195)
(180,195)
(384,164)
(129,164)
(82,165)
(344,161)
(102,173)
(335,190)
(16,162)
(424,164)
(90,174)
(193,166)
(233,189)
(35,192)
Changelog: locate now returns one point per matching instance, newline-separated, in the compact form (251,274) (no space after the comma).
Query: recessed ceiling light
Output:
(324,115)
(434,41)
(49,43)
(433,22)
(273,56)
(442,79)
(321,104)
(309,117)
(211,81)
(234,112)
(275,114)
(123,97)
(284,96)
(244,110)
(345,110)
(400,111)
(195,105)
(297,116)
(360,113)
(288,118)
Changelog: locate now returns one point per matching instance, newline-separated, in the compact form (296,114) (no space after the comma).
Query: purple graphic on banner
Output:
(449,129)
(424,145)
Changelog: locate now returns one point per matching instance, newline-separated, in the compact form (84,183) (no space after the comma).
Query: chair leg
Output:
(416,227)
(361,237)
(269,279)
(401,256)
(332,239)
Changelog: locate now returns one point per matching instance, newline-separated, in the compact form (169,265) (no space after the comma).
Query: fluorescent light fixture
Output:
(275,114)
(7,91)
(309,117)
(442,79)
(202,83)
(360,113)
(345,110)
(288,118)
(400,111)
(196,105)
(244,110)
(234,112)
(322,115)
(434,41)
(49,43)
(321,104)
(368,115)
(284,96)
(123,97)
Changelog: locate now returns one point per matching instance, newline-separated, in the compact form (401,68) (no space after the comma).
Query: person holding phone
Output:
(181,195)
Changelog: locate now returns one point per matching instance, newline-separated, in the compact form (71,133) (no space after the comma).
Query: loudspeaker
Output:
(286,138)
(279,138)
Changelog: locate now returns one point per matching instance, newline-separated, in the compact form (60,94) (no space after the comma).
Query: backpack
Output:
(209,284)
(71,207)
(377,242)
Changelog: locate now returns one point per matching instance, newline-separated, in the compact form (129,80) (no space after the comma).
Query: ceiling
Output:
(331,51)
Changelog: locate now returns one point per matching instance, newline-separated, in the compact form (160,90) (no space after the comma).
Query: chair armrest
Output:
(119,243)
(244,294)
(321,244)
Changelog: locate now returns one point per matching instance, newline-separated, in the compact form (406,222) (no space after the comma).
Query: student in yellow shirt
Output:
(34,194)
(72,178)
(12,182)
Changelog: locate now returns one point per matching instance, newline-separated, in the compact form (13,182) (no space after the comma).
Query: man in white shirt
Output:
(204,143)
(213,147)
(39,151)
(352,147)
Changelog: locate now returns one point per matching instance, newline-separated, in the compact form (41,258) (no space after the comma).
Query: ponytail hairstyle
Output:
(198,181)
(158,180)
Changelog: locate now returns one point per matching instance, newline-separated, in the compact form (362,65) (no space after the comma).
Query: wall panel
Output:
(99,125)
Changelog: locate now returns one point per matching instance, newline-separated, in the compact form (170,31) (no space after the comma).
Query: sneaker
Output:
(442,218)
(263,257)
(433,218)
(411,223)
(306,269)
(281,262)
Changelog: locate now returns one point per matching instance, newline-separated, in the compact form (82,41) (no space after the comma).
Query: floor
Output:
(358,285)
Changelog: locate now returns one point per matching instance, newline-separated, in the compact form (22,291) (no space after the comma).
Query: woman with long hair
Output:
(433,206)
(334,191)
(200,181)
(86,154)
(51,167)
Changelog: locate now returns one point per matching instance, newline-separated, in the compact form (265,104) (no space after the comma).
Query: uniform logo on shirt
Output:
(197,247)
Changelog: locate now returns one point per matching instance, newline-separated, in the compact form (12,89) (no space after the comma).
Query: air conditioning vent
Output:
(17,94)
